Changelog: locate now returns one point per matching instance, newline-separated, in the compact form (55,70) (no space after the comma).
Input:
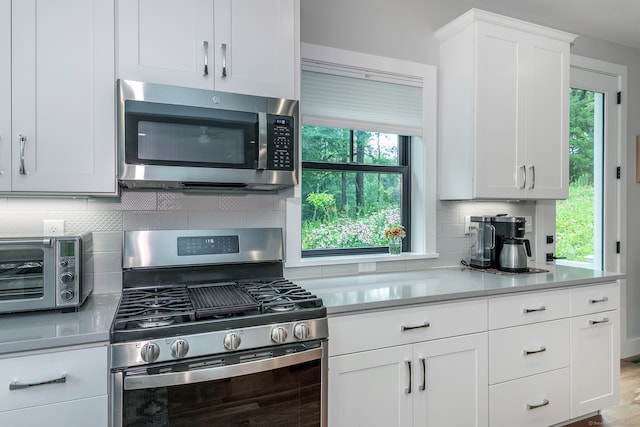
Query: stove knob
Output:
(279,335)
(301,331)
(179,348)
(231,341)
(150,352)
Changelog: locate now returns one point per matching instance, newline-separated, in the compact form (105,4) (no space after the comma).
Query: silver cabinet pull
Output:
(595,301)
(205,48)
(545,402)
(533,310)
(223,46)
(597,322)
(408,389)
(532,169)
(524,177)
(529,352)
(409,328)
(423,362)
(23,143)
(17,386)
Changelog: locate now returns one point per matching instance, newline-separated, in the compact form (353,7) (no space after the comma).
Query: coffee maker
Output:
(499,243)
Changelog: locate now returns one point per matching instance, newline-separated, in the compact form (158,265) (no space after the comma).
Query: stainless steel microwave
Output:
(44,273)
(180,138)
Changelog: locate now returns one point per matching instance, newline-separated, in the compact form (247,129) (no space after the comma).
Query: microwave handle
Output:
(262,141)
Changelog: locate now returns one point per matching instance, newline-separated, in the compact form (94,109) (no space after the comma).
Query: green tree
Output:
(581,136)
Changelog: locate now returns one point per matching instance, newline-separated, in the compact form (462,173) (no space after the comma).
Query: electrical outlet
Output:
(53,227)
(528,225)
(366,267)
(467,224)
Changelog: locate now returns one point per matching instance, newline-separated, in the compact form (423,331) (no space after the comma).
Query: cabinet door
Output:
(63,96)
(371,388)
(5,95)
(500,86)
(547,118)
(255,42)
(595,362)
(450,382)
(166,41)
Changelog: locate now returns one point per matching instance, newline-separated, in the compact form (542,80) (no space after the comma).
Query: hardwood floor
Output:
(627,413)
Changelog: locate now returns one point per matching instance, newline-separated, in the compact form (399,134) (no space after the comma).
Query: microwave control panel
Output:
(280,134)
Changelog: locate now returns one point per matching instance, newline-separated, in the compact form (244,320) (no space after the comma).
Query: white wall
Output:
(404,30)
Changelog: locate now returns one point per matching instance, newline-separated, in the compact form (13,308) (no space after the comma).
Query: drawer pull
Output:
(533,310)
(597,322)
(529,352)
(595,301)
(408,328)
(408,389)
(17,386)
(545,402)
(423,386)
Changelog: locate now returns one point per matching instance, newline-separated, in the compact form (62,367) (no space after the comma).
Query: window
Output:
(363,118)
(355,184)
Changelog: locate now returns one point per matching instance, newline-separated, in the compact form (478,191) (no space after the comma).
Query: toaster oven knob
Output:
(301,331)
(67,294)
(67,277)
(231,341)
(179,348)
(279,334)
(150,352)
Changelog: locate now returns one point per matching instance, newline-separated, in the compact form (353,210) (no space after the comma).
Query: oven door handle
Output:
(139,382)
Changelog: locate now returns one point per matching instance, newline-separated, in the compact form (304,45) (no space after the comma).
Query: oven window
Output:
(21,274)
(289,396)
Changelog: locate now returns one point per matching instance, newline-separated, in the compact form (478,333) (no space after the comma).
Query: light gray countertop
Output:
(48,329)
(363,292)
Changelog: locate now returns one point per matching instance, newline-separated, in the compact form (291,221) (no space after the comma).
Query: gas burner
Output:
(156,322)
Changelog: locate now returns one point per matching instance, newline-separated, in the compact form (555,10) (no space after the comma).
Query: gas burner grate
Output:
(152,306)
(277,295)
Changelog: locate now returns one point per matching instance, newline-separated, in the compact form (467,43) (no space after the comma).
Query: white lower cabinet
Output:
(62,388)
(421,379)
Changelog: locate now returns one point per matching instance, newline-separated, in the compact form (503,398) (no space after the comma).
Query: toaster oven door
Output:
(27,273)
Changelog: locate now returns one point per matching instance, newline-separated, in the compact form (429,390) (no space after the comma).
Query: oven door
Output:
(27,275)
(283,386)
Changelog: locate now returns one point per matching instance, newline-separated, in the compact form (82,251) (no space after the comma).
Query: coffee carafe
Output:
(483,235)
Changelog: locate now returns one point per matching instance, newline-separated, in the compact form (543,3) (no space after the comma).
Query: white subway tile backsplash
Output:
(155,220)
(50,204)
(217,219)
(21,222)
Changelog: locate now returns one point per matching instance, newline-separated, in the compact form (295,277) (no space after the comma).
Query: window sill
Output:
(358,259)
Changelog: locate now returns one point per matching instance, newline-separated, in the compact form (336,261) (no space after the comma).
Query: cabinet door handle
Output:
(17,386)
(524,177)
(532,169)
(23,143)
(223,46)
(408,328)
(595,301)
(408,389)
(545,402)
(533,310)
(529,352)
(597,322)
(205,49)
(423,362)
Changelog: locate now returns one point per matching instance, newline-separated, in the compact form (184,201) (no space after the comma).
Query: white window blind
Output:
(352,98)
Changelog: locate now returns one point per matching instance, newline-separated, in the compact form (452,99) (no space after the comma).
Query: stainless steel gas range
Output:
(209,332)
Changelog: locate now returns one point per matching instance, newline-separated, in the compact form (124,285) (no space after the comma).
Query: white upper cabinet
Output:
(248,46)
(61,138)
(504,109)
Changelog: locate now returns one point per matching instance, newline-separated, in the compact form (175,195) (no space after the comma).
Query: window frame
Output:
(403,168)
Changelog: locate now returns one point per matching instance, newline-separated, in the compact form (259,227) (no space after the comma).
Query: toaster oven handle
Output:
(44,241)
(262,141)
(168,379)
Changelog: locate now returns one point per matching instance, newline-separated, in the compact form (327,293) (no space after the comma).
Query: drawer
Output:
(85,371)
(539,400)
(526,350)
(367,331)
(76,413)
(528,308)
(592,299)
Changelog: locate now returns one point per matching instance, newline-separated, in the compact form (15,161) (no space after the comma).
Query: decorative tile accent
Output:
(90,221)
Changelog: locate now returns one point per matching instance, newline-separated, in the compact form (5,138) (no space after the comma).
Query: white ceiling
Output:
(617,21)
